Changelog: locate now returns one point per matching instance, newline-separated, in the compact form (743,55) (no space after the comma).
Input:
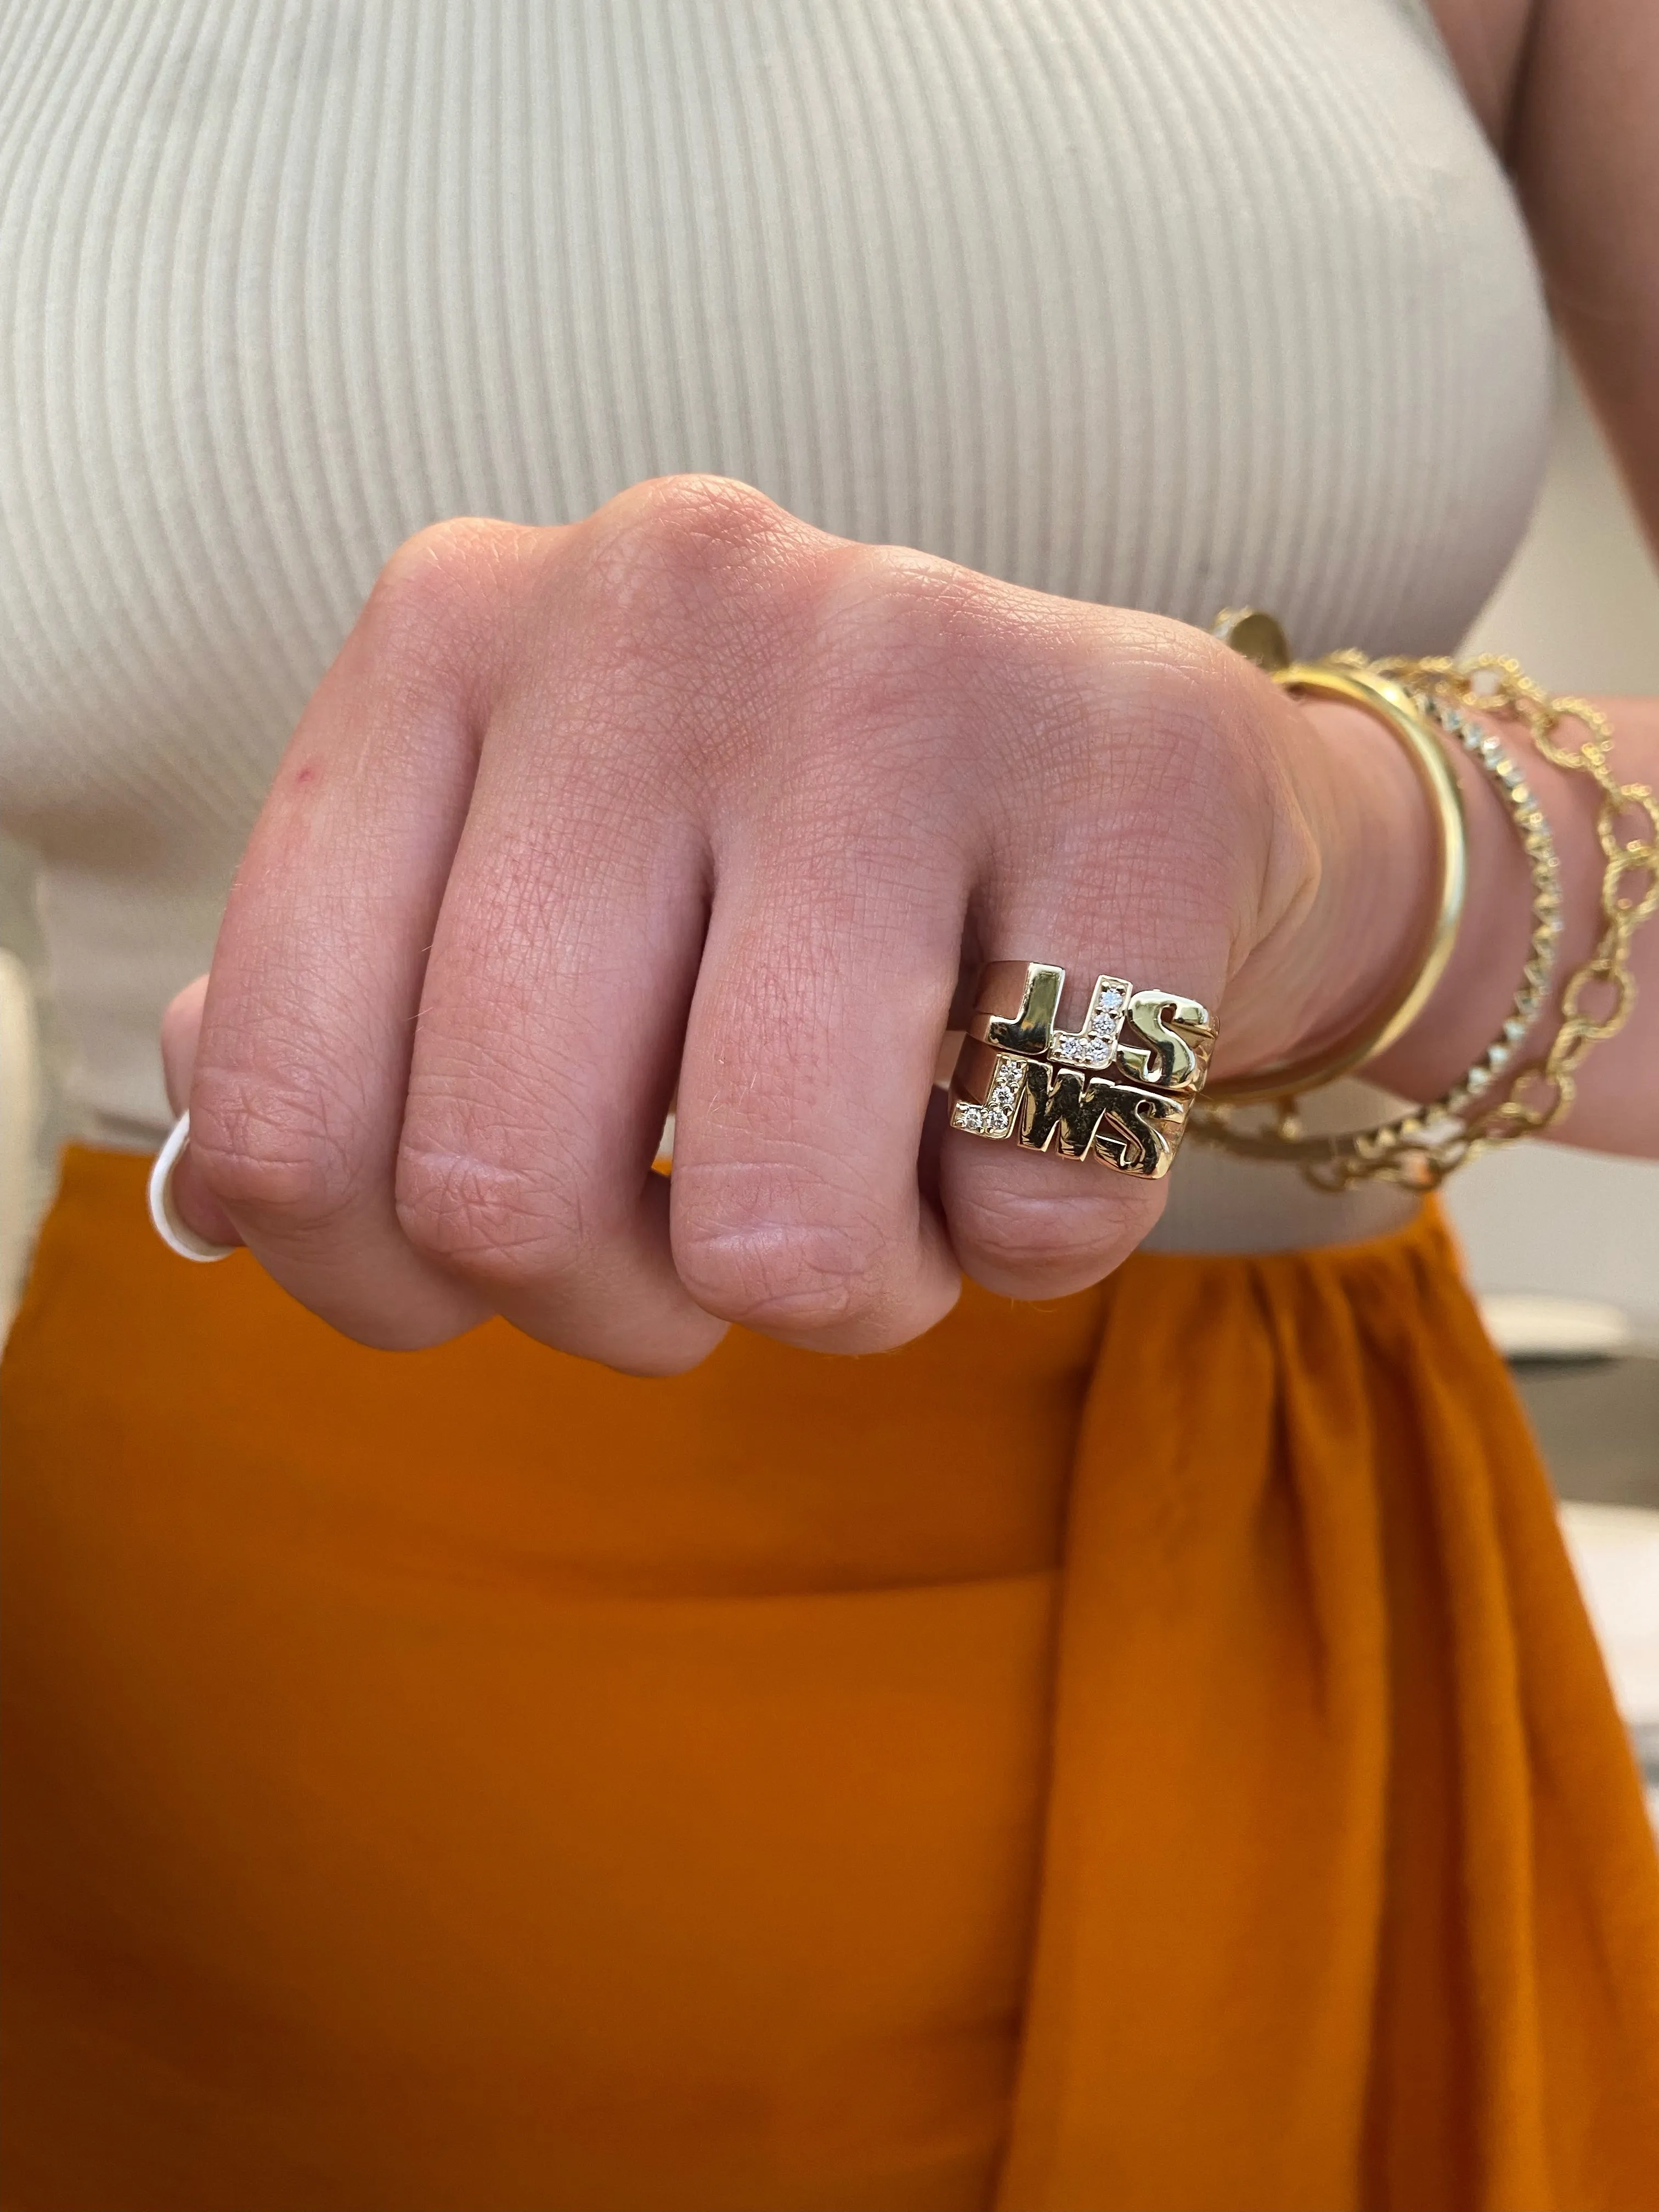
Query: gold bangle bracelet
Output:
(1421,1146)
(1388,703)
(1503,1097)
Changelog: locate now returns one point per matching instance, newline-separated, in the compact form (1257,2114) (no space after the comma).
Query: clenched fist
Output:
(692,801)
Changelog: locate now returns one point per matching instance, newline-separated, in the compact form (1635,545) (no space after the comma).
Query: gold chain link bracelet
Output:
(1420,1148)
(1492,683)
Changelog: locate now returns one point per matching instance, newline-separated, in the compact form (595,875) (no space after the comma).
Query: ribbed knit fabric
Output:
(1167,306)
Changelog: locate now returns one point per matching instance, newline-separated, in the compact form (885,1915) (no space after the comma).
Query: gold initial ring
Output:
(1117,1090)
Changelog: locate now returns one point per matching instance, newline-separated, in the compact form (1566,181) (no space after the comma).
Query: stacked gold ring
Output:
(1117,1090)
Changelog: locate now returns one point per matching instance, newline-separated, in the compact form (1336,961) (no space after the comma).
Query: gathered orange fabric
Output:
(1144,1751)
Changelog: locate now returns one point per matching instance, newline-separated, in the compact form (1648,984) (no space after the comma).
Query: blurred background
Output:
(1562,1244)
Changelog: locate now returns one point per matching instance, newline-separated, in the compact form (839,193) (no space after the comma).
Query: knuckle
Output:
(439,594)
(755,1250)
(1036,1238)
(684,545)
(692,518)
(272,1151)
(691,604)
(496,1226)
(445,554)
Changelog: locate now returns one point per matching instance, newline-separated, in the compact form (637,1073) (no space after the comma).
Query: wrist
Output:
(1350,939)
(1343,942)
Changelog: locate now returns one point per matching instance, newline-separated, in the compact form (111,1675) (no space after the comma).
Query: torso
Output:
(1167,308)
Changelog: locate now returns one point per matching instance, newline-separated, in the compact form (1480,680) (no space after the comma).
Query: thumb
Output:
(181,1028)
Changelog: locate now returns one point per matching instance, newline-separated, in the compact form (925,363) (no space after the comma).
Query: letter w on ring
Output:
(1134,1130)
(1062,1100)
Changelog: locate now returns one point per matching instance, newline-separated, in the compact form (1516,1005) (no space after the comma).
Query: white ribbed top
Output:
(1167,305)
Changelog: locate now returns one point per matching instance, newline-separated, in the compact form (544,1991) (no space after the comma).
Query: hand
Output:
(693,794)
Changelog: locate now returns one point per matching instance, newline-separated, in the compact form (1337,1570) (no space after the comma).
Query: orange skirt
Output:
(1146,1751)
